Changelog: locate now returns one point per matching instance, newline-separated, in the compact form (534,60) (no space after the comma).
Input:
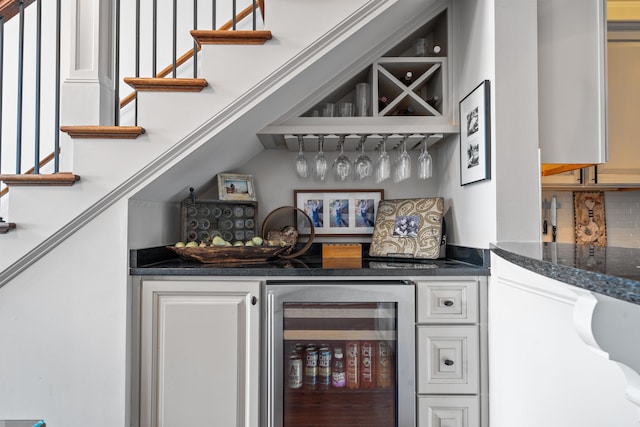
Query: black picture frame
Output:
(475,135)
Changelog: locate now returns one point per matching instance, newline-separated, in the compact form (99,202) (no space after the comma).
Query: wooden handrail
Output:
(189,54)
(31,170)
(10,8)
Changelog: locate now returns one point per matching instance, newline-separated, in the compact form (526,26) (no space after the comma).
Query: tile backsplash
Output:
(622,210)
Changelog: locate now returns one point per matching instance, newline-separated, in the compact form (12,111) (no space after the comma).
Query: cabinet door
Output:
(199,353)
(572,81)
(448,360)
(440,411)
(623,166)
(446,301)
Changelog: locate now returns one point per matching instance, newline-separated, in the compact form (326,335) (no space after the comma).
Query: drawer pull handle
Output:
(448,303)
(448,362)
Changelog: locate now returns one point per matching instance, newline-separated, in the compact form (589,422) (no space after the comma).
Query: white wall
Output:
(63,329)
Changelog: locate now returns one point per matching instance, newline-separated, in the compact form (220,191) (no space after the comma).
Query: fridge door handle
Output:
(269,359)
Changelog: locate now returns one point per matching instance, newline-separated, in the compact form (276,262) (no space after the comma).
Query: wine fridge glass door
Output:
(339,354)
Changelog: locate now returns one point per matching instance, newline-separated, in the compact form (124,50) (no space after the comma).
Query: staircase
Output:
(64,283)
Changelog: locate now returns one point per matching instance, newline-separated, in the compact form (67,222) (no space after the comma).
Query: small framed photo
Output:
(338,212)
(475,135)
(235,187)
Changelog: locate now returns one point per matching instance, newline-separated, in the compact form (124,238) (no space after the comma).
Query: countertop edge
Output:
(604,284)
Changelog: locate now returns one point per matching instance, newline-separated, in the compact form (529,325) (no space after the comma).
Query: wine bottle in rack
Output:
(382,103)
(434,101)
(408,78)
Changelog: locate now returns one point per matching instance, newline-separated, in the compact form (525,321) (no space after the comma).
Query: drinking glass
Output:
(342,164)
(425,163)
(302,166)
(363,165)
(383,164)
(320,164)
(403,164)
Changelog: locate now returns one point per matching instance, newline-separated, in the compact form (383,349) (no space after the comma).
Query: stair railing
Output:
(35,101)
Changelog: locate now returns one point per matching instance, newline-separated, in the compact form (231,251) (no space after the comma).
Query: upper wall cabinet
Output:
(406,89)
(572,81)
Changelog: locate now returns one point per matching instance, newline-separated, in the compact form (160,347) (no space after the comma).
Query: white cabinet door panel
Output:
(447,302)
(448,359)
(572,81)
(445,411)
(199,353)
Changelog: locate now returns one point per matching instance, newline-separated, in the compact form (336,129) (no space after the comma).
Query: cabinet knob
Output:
(448,303)
(448,362)
(254,300)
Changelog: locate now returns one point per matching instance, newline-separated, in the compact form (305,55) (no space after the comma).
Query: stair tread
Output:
(231,36)
(110,132)
(161,84)
(53,179)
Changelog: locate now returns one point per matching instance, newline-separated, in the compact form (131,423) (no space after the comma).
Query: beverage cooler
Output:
(339,353)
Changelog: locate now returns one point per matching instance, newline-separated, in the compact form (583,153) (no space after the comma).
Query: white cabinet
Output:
(572,81)
(623,56)
(451,354)
(199,352)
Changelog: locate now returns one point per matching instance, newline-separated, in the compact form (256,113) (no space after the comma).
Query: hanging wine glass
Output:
(302,166)
(363,165)
(403,164)
(383,163)
(425,163)
(320,164)
(342,164)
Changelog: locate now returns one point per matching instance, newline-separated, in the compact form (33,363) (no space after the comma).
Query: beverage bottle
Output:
(408,77)
(385,365)
(338,379)
(353,365)
(367,365)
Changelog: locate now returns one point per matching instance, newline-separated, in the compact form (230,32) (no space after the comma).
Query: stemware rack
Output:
(352,141)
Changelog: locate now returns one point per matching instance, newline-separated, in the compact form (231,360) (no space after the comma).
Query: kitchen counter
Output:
(610,271)
(460,261)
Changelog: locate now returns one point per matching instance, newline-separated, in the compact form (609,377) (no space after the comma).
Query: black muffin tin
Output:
(202,220)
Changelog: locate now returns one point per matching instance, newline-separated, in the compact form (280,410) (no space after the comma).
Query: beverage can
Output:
(311,365)
(353,365)
(385,365)
(295,371)
(324,365)
(367,365)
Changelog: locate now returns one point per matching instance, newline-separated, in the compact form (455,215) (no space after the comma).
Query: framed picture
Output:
(338,212)
(475,135)
(235,187)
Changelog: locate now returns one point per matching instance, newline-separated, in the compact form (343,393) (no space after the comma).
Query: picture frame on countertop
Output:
(235,187)
(337,212)
(475,135)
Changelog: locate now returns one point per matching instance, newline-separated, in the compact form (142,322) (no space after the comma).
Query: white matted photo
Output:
(475,135)
(338,212)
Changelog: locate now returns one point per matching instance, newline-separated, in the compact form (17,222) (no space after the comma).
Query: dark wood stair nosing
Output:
(237,37)
(59,179)
(166,84)
(103,132)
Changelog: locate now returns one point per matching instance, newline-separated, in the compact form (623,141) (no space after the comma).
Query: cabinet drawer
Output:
(443,411)
(448,359)
(447,302)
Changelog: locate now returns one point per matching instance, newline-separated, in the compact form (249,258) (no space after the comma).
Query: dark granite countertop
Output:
(610,271)
(460,261)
